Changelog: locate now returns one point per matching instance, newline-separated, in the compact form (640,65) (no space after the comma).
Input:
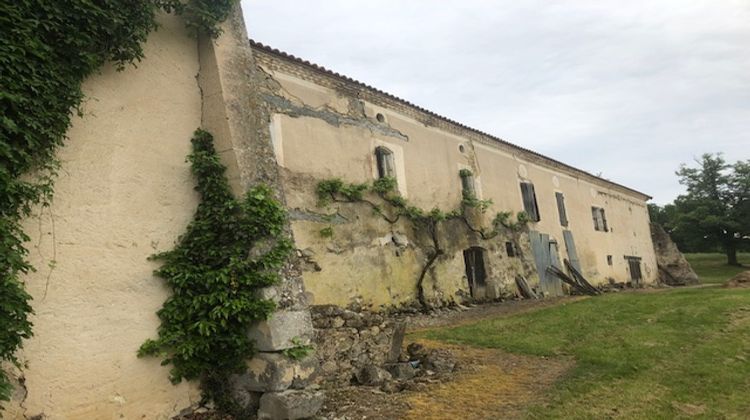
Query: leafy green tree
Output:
(715,211)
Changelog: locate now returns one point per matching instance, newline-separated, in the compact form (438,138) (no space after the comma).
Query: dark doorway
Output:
(634,264)
(475,271)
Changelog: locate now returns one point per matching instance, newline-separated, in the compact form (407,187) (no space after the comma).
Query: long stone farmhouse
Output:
(324,126)
(125,192)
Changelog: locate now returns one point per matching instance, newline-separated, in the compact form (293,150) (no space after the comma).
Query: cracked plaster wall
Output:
(325,127)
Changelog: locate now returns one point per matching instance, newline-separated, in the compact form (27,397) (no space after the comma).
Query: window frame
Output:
(562,212)
(599,218)
(530,204)
(385,162)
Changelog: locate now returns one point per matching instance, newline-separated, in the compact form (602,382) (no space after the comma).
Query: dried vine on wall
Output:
(384,190)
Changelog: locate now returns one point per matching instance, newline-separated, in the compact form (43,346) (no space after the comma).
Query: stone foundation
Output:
(346,342)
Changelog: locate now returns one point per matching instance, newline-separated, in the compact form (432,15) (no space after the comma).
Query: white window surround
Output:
(398,160)
(276,140)
(477,180)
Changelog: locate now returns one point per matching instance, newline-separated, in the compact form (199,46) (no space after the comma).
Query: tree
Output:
(715,211)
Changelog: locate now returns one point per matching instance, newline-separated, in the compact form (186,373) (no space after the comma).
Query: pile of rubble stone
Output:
(415,368)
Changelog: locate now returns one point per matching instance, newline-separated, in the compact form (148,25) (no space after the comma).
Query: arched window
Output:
(384,159)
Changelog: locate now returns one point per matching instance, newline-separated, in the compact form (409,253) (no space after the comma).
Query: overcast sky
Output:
(628,89)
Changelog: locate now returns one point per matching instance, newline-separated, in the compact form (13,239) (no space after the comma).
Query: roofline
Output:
(322,70)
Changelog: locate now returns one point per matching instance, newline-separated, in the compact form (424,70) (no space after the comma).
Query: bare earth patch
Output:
(489,384)
(740,280)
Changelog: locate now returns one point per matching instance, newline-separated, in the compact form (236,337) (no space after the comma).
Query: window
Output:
(510,249)
(600,220)
(561,208)
(609,260)
(468,188)
(384,158)
(529,201)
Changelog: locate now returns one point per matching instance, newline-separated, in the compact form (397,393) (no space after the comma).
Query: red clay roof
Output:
(284,55)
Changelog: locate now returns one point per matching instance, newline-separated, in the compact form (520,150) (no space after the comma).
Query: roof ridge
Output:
(325,71)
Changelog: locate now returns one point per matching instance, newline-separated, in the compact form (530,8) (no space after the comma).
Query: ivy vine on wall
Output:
(230,250)
(47,49)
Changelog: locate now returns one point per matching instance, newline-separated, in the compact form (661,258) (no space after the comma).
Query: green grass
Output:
(713,268)
(638,355)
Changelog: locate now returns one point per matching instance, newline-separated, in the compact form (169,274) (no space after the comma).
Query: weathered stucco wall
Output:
(326,127)
(124,192)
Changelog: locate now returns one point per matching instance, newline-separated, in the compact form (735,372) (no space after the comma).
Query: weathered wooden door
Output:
(475,271)
(545,255)
(634,266)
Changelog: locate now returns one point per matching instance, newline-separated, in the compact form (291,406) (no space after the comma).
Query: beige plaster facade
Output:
(327,126)
(125,192)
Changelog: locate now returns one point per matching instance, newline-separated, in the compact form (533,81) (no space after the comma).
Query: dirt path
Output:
(493,384)
(489,384)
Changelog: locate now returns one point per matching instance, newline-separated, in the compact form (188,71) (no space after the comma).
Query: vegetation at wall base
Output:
(47,49)
(231,249)
(428,221)
(299,351)
(668,354)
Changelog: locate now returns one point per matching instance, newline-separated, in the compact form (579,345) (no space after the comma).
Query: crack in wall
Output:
(198,81)
(53,262)
(287,107)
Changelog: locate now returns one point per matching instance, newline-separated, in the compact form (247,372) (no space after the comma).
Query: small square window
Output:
(510,249)
(384,160)
(600,220)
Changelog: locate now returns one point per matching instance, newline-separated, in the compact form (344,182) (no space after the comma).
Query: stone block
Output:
(306,372)
(290,404)
(269,372)
(401,371)
(397,341)
(277,332)
(372,375)
(265,372)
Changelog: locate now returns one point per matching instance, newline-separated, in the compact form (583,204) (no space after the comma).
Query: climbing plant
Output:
(392,206)
(47,49)
(230,250)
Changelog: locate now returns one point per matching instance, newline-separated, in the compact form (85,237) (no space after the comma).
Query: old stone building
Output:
(125,192)
(324,126)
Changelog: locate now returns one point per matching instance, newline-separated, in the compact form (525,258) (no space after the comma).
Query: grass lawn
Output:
(713,268)
(659,354)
